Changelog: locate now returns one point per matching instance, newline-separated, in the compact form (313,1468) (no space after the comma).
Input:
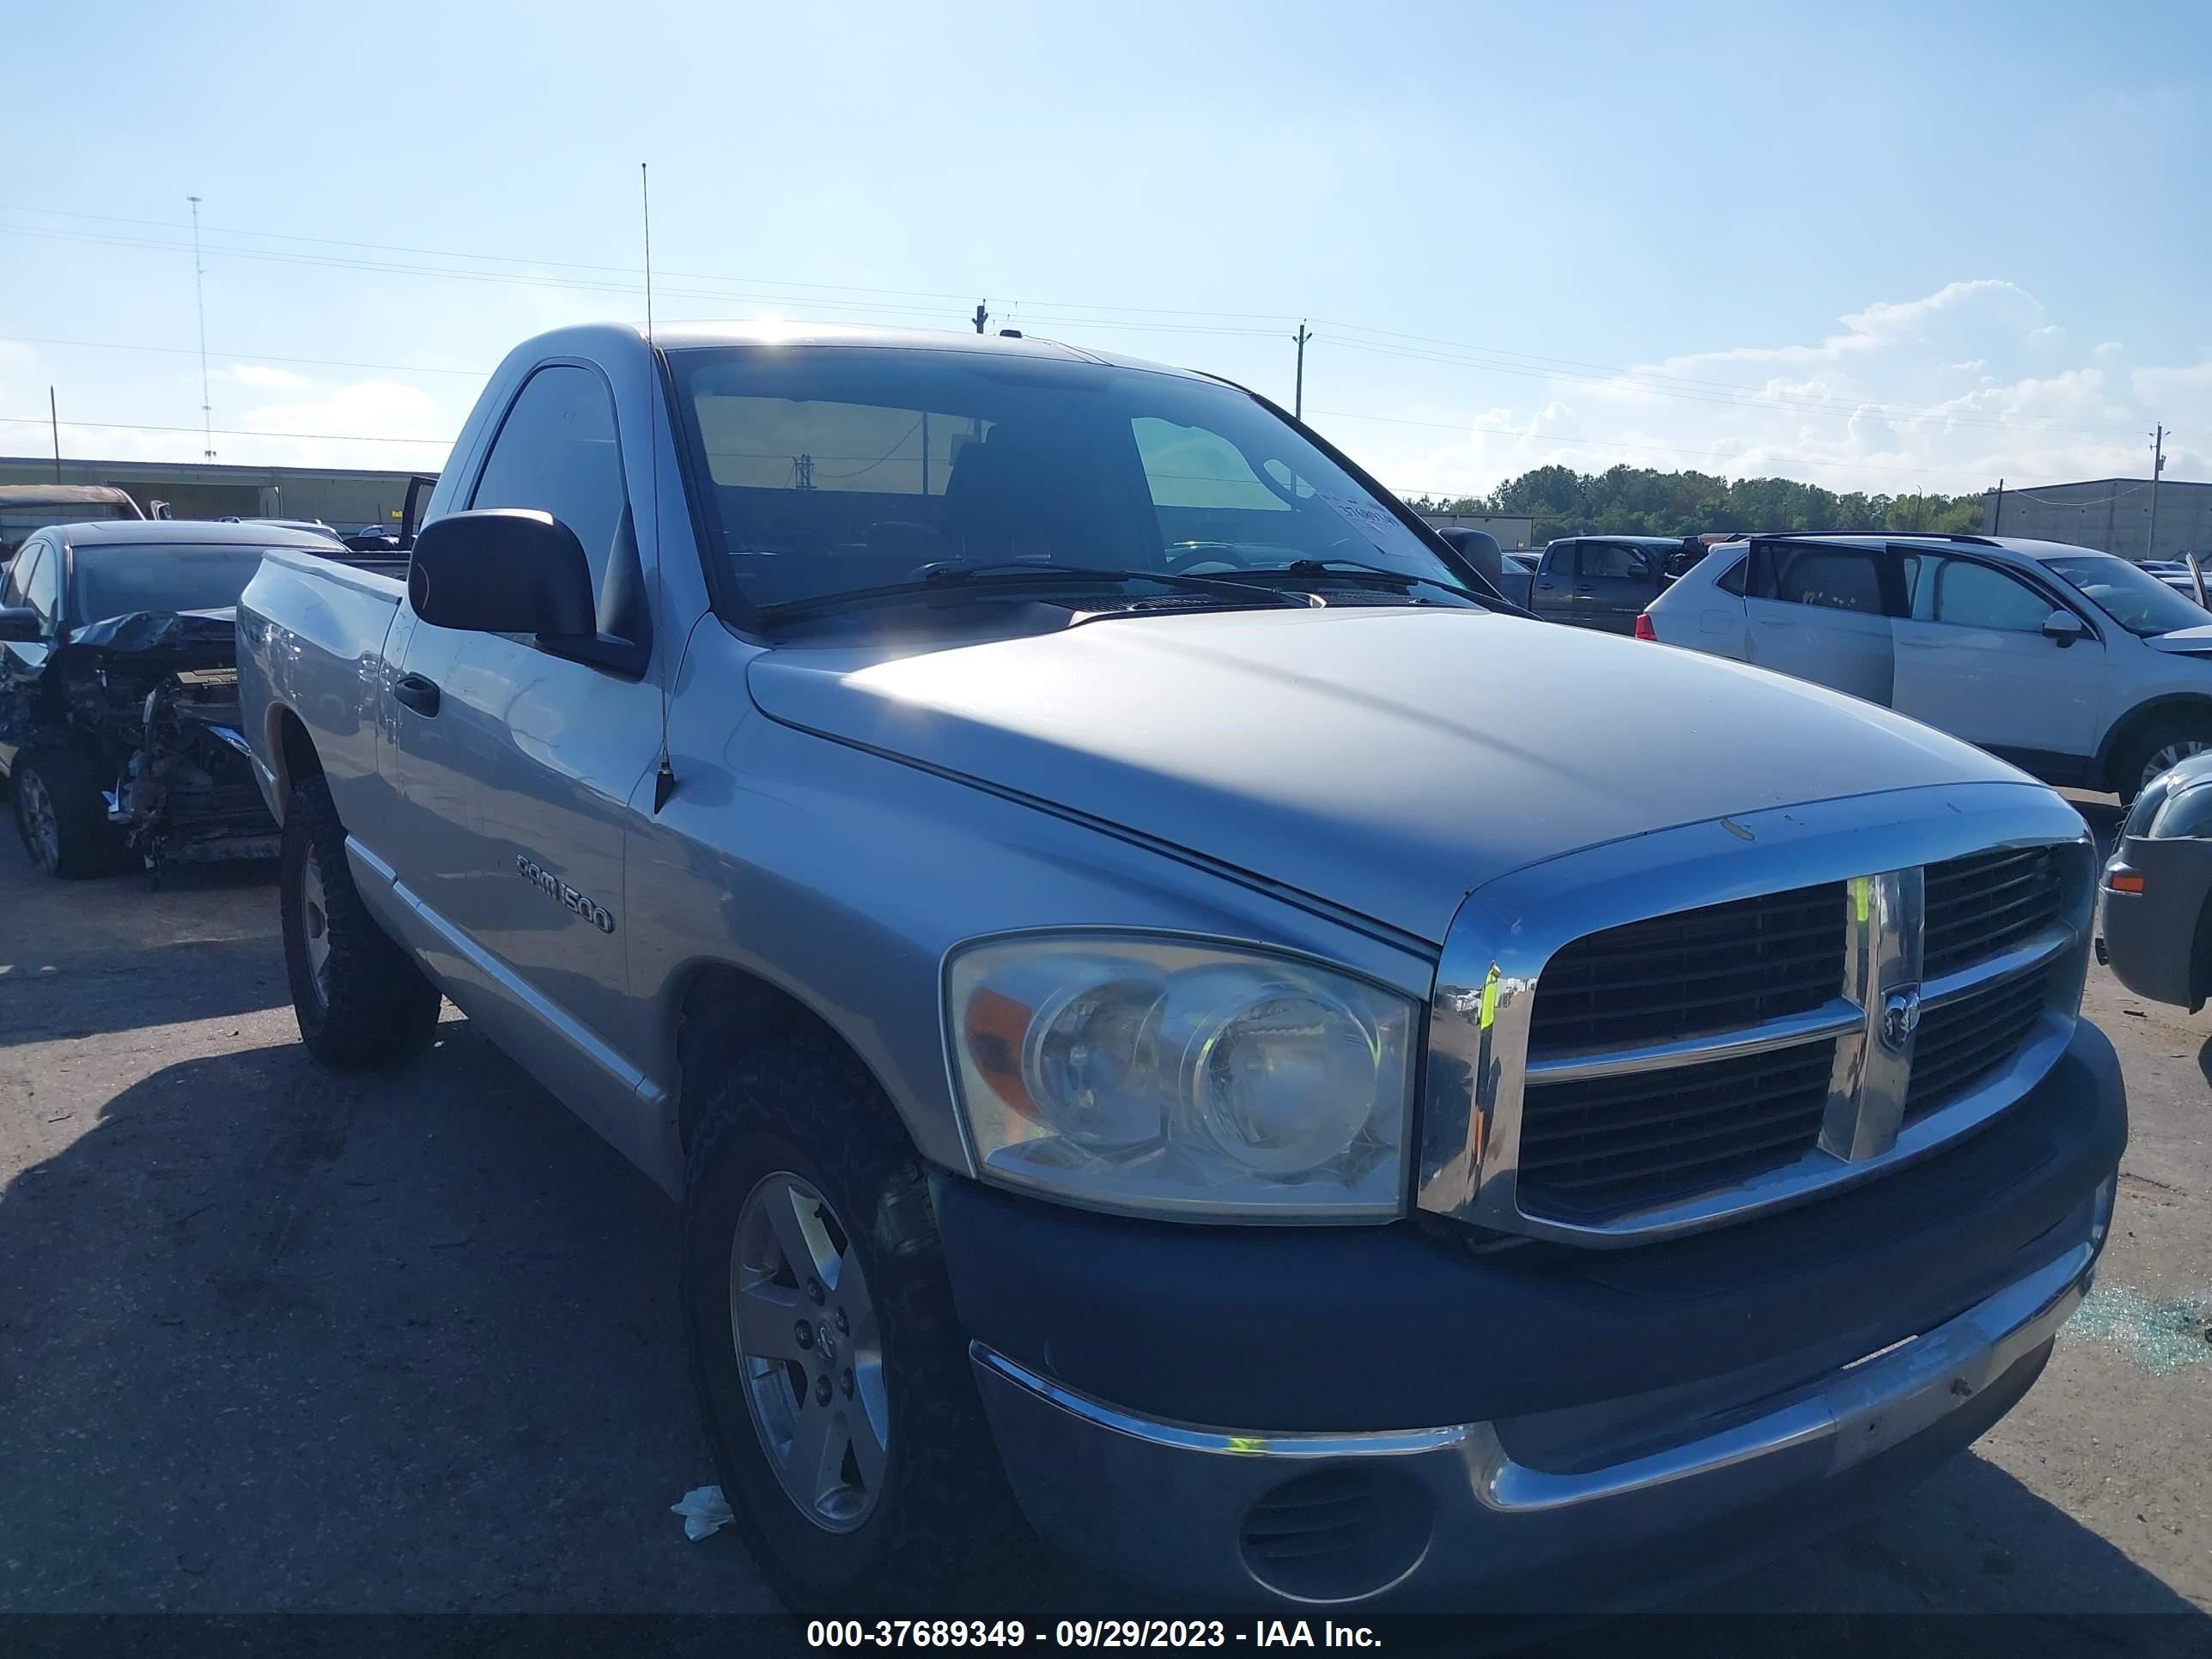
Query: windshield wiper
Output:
(1014,576)
(1353,569)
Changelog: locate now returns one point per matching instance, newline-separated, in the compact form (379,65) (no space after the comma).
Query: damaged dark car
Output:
(118,694)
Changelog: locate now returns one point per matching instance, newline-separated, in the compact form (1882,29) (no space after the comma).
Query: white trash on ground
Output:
(704,1510)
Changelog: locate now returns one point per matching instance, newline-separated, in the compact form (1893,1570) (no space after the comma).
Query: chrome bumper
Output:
(1173,1505)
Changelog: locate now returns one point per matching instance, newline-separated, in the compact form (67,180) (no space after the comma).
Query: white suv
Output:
(2079,667)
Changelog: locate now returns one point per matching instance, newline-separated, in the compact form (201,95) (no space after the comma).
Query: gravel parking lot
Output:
(272,1342)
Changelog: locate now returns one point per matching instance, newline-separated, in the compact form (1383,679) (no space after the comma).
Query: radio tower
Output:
(199,304)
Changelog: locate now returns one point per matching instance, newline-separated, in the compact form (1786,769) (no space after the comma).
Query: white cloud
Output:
(1876,406)
(262,374)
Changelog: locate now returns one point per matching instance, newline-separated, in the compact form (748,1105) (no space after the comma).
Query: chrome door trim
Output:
(1506,931)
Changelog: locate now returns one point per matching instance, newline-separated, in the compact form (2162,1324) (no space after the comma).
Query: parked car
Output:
(2157,890)
(2079,667)
(118,694)
(314,527)
(26,507)
(1602,581)
(1173,1028)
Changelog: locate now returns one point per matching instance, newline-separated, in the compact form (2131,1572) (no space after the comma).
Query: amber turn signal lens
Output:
(2127,882)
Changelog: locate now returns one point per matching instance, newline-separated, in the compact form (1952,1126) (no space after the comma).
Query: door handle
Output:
(1584,587)
(417,693)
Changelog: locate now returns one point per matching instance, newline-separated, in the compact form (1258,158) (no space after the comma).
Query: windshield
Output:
(2131,596)
(19,519)
(113,581)
(831,470)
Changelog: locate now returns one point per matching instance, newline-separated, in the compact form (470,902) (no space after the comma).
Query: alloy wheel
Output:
(809,1351)
(42,831)
(2171,756)
(315,925)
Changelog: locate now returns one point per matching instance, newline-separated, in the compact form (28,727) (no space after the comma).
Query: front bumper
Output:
(1617,1425)
(1452,1517)
(2148,939)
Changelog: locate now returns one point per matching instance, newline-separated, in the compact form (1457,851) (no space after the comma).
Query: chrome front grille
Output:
(1976,907)
(1604,1068)
(1592,1147)
(1962,1041)
(1710,970)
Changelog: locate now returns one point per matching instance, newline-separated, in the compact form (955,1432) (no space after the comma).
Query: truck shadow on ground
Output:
(49,993)
(282,1341)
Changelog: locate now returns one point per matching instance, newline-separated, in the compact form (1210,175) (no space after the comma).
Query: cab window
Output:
(555,452)
(1614,562)
(11,592)
(1966,594)
(42,585)
(1829,578)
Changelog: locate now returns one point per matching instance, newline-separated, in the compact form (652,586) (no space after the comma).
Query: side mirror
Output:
(2063,627)
(20,623)
(502,570)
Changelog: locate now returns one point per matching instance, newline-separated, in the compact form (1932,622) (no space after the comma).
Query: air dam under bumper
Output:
(1447,1517)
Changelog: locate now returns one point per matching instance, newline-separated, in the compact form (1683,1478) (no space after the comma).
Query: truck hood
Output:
(1385,761)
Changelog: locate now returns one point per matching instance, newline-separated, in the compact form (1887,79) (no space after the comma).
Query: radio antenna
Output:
(664,780)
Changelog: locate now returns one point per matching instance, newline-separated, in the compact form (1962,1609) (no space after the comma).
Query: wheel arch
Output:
(2131,726)
(293,757)
(716,1010)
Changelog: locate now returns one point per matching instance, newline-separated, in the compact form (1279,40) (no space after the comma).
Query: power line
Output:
(1487,359)
(240,357)
(566,264)
(229,432)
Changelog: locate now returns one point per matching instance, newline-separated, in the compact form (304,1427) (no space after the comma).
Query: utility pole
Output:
(55,420)
(981,316)
(2157,467)
(1298,397)
(199,304)
(1996,512)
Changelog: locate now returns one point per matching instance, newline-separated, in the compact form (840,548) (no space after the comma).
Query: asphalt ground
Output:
(273,1342)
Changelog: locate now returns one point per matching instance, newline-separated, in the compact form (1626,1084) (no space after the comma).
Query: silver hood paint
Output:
(2183,642)
(1386,761)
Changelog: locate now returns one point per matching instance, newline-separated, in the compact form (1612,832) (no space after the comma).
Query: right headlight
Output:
(1182,1079)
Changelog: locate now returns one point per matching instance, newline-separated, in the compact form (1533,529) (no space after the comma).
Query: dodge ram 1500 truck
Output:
(1175,1028)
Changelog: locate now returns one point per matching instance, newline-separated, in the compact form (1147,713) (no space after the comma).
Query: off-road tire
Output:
(944,1527)
(88,844)
(2128,764)
(375,1008)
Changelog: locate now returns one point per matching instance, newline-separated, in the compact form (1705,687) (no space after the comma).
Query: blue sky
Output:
(1890,248)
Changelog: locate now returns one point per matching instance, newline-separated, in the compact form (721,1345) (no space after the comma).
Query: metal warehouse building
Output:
(2112,515)
(341,499)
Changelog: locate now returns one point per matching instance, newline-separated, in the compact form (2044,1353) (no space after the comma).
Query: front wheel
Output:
(360,1000)
(61,816)
(831,1371)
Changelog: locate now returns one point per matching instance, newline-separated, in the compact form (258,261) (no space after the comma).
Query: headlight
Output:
(1170,1078)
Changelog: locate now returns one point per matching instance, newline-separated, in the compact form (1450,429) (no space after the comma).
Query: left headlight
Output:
(1194,1079)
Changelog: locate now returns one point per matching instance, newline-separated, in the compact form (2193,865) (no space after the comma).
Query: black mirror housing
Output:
(502,570)
(20,624)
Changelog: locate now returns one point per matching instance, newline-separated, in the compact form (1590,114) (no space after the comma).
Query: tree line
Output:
(1634,501)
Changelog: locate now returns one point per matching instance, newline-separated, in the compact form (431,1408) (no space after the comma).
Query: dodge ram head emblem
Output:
(553,887)
(1901,1019)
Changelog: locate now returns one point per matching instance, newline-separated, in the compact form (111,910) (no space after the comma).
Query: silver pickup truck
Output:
(1175,1030)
